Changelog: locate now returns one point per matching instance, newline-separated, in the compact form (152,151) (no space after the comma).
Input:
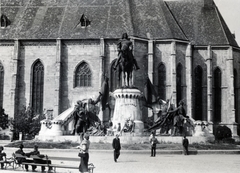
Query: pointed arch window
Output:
(83,75)
(198,87)
(114,84)
(179,83)
(1,84)
(162,81)
(37,87)
(217,95)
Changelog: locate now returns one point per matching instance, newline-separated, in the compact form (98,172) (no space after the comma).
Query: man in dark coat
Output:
(41,159)
(117,147)
(185,144)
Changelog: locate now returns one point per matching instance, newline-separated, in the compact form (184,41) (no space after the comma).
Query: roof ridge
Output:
(218,16)
(222,21)
(175,20)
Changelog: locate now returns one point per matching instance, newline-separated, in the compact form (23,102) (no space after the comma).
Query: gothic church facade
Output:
(53,53)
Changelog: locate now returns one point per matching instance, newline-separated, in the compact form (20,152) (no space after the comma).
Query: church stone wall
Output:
(75,52)
(90,51)
(220,57)
(181,58)
(110,55)
(6,55)
(30,52)
(162,54)
(140,54)
(236,57)
(140,76)
(199,59)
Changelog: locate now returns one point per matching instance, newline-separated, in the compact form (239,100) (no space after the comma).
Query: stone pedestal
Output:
(51,128)
(127,107)
(210,127)
(198,129)
(139,126)
(202,129)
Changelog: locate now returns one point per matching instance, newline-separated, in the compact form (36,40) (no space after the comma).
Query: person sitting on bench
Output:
(20,160)
(35,152)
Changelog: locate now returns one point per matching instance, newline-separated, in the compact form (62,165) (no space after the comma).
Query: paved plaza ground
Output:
(141,162)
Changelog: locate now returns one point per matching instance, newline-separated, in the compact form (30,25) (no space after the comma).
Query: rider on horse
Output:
(125,47)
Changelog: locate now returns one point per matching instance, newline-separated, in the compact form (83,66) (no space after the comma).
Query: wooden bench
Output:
(53,166)
(8,162)
(16,163)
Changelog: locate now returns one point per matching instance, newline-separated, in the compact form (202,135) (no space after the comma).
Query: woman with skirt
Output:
(83,154)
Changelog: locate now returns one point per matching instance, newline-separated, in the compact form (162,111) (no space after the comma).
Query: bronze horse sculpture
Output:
(125,69)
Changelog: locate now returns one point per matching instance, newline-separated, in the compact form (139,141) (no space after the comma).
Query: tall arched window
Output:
(217,95)
(83,75)
(198,92)
(236,95)
(37,87)
(179,83)
(114,78)
(1,84)
(162,81)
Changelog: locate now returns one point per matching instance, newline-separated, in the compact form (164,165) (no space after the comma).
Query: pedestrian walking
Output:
(185,144)
(153,141)
(117,147)
(83,154)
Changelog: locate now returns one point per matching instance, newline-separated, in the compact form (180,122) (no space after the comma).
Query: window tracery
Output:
(83,75)
(37,87)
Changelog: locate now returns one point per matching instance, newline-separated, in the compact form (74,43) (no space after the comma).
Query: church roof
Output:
(156,19)
(203,25)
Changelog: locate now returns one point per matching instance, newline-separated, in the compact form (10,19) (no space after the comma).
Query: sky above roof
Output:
(231,13)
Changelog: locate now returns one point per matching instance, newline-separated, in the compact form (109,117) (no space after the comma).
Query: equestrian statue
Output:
(126,61)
